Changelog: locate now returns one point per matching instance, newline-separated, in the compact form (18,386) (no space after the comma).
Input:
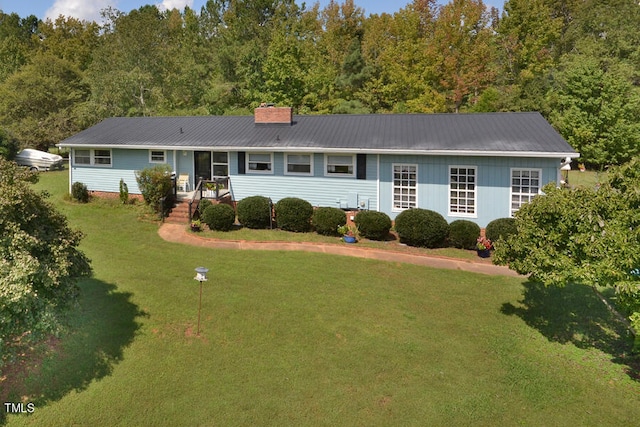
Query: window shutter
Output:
(361,166)
(242,163)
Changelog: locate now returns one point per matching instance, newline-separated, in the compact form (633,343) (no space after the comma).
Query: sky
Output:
(90,9)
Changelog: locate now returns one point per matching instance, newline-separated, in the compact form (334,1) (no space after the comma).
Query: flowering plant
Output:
(483,244)
(349,230)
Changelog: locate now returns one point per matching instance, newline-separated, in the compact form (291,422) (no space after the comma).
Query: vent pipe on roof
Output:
(270,114)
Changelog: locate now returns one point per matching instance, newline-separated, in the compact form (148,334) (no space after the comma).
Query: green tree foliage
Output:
(155,184)
(16,42)
(572,60)
(460,48)
(38,102)
(39,261)
(8,145)
(582,236)
(597,110)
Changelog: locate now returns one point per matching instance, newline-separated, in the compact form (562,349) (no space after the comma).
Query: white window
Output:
(220,163)
(340,165)
(405,186)
(298,164)
(525,185)
(462,191)
(92,157)
(81,157)
(157,156)
(260,162)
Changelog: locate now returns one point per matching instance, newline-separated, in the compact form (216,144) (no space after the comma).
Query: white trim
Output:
(471,153)
(511,170)
(475,193)
(248,170)
(337,174)
(286,164)
(378,183)
(393,186)
(164,156)
(214,163)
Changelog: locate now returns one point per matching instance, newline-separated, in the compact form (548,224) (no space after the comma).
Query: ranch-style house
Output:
(465,166)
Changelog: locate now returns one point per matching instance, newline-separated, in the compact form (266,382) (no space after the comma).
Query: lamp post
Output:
(201,276)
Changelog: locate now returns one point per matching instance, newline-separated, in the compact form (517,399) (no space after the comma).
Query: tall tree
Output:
(461,50)
(70,39)
(16,42)
(396,46)
(37,103)
(39,263)
(596,110)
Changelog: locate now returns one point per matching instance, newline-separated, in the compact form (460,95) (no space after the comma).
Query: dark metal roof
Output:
(480,134)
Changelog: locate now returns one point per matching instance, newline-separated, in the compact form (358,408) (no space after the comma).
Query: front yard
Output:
(293,338)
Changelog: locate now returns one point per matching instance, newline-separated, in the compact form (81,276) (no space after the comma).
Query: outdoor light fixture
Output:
(201,276)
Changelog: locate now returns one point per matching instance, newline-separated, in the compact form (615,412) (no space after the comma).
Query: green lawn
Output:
(312,339)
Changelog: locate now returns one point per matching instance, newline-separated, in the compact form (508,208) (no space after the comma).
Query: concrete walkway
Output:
(178,233)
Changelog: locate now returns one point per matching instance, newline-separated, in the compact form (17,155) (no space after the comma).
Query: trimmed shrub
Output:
(500,228)
(203,205)
(373,225)
(155,183)
(463,234)
(326,220)
(254,212)
(219,217)
(293,214)
(422,227)
(80,192)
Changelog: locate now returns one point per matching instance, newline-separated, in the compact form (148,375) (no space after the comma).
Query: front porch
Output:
(217,190)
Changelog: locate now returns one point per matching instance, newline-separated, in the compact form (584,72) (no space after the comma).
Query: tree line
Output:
(575,61)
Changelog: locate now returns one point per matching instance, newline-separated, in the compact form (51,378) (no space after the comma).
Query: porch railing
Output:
(213,189)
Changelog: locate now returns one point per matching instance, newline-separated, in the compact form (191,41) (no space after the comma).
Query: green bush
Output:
(79,192)
(500,228)
(326,220)
(124,192)
(219,217)
(155,183)
(203,205)
(463,234)
(293,214)
(422,227)
(373,225)
(254,212)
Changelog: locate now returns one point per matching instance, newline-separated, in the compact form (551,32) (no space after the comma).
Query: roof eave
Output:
(470,153)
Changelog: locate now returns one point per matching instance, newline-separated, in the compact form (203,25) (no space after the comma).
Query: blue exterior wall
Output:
(319,190)
(124,165)
(493,183)
(374,193)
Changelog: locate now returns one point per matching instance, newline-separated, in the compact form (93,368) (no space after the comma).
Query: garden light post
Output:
(201,276)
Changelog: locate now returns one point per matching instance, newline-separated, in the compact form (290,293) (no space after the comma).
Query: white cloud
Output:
(174,4)
(79,9)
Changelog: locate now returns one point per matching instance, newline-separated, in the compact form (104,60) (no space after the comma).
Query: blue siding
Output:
(124,165)
(493,180)
(493,183)
(319,190)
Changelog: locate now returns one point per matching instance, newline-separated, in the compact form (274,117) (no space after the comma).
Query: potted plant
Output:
(211,188)
(196,225)
(483,247)
(349,233)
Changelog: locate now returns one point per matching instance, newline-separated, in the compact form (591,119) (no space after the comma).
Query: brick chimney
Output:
(270,114)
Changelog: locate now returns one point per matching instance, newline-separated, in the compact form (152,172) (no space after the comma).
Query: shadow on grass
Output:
(574,314)
(101,327)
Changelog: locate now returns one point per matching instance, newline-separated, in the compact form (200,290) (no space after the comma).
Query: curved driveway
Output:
(178,233)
